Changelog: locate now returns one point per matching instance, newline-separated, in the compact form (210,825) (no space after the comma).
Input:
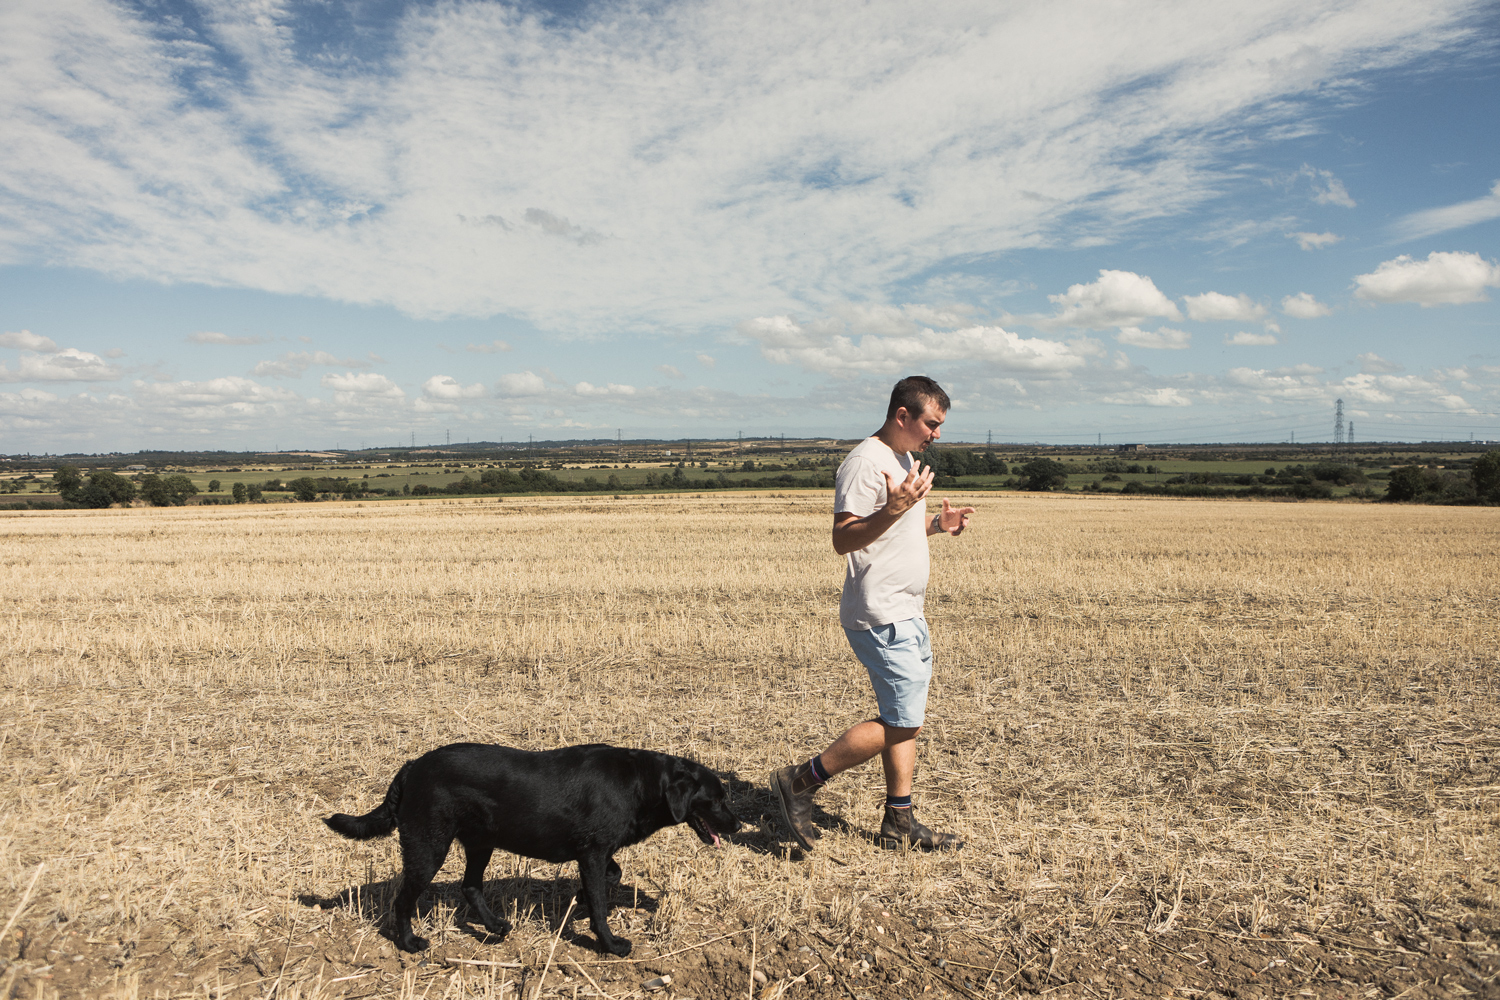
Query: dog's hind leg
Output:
(421,857)
(594,871)
(612,873)
(477,857)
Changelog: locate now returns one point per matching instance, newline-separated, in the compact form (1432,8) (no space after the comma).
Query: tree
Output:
(238,492)
(1043,474)
(92,496)
(118,488)
(167,491)
(68,481)
(213,485)
(304,489)
(252,493)
(1486,476)
(1409,483)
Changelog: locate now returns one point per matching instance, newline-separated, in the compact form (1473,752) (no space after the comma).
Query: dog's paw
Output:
(413,943)
(499,928)
(619,946)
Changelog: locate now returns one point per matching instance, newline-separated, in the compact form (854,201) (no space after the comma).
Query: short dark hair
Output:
(914,392)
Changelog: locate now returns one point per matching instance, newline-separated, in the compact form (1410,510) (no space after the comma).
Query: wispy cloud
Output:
(1326,188)
(1441,220)
(825,347)
(211,337)
(293,363)
(487,163)
(1163,339)
(1314,241)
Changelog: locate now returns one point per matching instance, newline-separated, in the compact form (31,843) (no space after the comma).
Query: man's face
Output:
(924,428)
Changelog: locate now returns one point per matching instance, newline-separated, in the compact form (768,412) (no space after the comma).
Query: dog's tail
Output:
(379,821)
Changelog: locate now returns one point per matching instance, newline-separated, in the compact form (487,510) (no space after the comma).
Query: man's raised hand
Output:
(913,489)
(954,520)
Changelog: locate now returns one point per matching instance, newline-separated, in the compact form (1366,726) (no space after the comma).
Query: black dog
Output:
(578,803)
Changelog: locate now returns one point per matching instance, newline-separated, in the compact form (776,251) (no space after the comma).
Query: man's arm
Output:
(852,532)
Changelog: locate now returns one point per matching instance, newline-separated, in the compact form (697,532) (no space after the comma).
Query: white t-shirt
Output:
(886,580)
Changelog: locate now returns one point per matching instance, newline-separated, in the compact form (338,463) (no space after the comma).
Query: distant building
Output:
(135,468)
(1131,447)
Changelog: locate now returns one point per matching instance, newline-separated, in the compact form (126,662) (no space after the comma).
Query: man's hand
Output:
(852,532)
(953,520)
(912,491)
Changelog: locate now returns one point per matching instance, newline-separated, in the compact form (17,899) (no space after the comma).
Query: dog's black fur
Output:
(578,803)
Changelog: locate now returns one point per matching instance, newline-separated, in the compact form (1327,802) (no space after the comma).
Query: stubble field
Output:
(1196,749)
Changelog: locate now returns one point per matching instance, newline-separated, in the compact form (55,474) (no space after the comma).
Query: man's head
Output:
(918,408)
(916,393)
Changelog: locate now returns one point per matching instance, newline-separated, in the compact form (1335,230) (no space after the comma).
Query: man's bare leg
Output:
(898,753)
(796,785)
(897,749)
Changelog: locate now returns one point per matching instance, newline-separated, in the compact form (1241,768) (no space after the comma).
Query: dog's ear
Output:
(678,789)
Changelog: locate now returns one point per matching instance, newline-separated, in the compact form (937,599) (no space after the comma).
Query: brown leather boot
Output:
(795,787)
(899,828)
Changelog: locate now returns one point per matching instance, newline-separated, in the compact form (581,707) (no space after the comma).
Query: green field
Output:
(802,465)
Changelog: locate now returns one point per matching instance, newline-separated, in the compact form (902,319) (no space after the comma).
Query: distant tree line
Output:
(1418,484)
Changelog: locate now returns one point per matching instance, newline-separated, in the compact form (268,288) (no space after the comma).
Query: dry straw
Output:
(1263,719)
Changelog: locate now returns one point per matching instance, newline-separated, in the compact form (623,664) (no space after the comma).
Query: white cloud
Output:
(1327,189)
(1442,279)
(1118,298)
(1164,339)
(211,337)
(1304,306)
(1374,364)
(1441,220)
(1247,339)
(521,384)
(1286,384)
(587,389)
(212,392)
(820,347)
(25,340)
(361,388)
(448,387)
(1167,396)
(66,365)
(1314,241)
(706,360)
(670,371)
(293,363)
(493,347)
(485,161)
(1218,306)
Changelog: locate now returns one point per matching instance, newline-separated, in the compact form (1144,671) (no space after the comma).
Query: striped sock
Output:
(819,773)
(898,801)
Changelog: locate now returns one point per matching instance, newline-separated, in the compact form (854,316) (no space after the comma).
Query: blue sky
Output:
(269,225)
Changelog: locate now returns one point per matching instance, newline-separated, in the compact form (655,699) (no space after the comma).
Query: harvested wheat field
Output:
(1197,749)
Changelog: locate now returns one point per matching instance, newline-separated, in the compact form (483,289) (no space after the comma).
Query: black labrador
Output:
(579,803)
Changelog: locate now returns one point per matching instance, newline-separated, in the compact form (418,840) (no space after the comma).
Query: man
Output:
(880,525)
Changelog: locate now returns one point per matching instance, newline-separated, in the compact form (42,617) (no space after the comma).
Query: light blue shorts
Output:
(898,658)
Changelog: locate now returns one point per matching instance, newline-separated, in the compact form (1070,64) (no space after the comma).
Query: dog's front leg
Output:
(596,886)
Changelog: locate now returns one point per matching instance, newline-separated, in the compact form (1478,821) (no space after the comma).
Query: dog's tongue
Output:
(714,834)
